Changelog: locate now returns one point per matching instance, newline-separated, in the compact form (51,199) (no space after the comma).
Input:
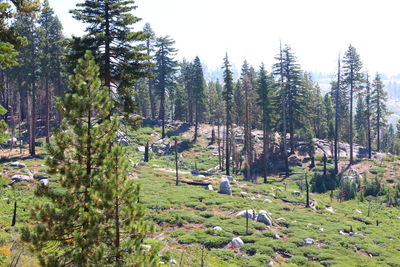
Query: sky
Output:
(317,30)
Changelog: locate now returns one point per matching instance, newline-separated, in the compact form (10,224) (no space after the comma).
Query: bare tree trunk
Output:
(337,121)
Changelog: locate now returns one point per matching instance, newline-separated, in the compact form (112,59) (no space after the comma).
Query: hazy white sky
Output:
(317,30)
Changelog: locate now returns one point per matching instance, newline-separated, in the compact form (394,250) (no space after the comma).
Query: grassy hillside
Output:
(195,225)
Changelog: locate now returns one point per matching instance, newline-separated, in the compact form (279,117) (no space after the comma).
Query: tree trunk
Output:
(47,96)
(337,121)
(107,51)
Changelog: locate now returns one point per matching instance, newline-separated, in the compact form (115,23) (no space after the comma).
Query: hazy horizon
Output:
(318,31)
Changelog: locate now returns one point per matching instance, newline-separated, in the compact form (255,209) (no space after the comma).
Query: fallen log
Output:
(195,183)
(361,220)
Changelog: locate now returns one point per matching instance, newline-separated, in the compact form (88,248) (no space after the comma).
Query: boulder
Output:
(225,187)
(162,147)
(267,200)
(217,228)
(210,187)
(251,214)
(237,242)
(358,211)
(309,241)
(276,236)
(21,178)
(18,165)
(264,217)
(313,204)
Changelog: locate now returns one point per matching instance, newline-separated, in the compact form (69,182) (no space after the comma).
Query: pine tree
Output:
(368,114)
(352,78)
(165,71)
(360,122)
(268,105)
(122,61)
(379,108)
(82,219)
(50,52)
(292,93)
(29,65)
(11,41)
(198,93)
(228,96)
(150,40)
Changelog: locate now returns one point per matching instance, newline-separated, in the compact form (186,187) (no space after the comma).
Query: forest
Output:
(112,147)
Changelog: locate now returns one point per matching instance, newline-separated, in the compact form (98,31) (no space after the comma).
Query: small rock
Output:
(271,263)
(237,241)
(309,225)
(309,241)
(358,211)
(330,209)
(276,236)
(141,149)
(296,193)
(217,228)
(280,219)
(173,262)
(398,218)
(210,187)
(18,165)
(267,200)
(44,182)
(341,232)
(321,229)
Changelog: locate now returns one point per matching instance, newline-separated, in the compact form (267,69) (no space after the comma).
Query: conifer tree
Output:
(352,78)
(165,71)
(110,27)
(198,92)
(150,40)
(267,103)
(228,96)
(379,108)
(360,122)
(83,221)
(50,52)
(292,92)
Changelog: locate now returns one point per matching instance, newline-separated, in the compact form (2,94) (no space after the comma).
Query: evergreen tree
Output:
(352,78)
(50,52)
(84,220)
(228,95)
(268,105)
(198,93)
(379,108)
(360,122)
(122,61)
(29,65)
(292,93)
(165,71)
(10,40)
(150,41)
